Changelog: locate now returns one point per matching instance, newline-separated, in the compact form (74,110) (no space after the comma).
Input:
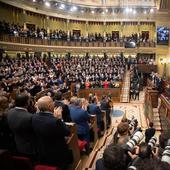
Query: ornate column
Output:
(68,30)
(87,28)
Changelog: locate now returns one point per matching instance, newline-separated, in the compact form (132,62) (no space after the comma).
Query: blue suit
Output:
(95,110)
(80,117)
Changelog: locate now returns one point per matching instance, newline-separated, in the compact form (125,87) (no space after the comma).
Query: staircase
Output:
(124,97)
(156,120)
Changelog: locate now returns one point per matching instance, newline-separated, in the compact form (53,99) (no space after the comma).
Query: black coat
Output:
(149,133)
(20,122)
(50,134)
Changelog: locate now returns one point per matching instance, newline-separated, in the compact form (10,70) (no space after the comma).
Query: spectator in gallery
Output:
(150,132)
(51,133)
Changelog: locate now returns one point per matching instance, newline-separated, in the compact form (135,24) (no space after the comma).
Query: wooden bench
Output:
(93,127)
(104,120)
(73,144)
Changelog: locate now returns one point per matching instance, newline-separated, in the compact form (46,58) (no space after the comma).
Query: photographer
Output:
(150,132)
(113,158)
(163,141)
(121,137)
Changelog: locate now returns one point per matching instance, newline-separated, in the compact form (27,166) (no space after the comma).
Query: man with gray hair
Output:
(51,131)
(80,116)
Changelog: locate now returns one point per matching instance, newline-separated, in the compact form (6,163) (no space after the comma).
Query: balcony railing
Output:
(38,41)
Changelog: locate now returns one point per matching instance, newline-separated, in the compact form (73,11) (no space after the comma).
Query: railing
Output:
(47,42)
(164,111)
(151,101)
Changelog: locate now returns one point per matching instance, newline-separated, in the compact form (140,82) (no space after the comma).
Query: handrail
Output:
(47,42)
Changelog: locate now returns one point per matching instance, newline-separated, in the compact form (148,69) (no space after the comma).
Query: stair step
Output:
(155,114)
(155,109)
(156,120)
(157,124)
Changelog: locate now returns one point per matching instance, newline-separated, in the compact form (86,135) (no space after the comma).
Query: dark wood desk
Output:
(146,68)
(113,92)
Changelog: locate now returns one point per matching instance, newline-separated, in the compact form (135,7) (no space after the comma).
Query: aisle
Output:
(129,110)
(124,98)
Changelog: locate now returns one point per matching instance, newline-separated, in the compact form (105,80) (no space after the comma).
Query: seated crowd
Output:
(42,134)
(42,33)
(91,71)
(128,151)
(36,75)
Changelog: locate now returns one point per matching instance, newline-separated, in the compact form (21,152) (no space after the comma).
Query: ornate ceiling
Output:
(100,10)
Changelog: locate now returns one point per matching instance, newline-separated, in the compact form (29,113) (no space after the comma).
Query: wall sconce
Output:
(168,61)
(164,61)
(161,60)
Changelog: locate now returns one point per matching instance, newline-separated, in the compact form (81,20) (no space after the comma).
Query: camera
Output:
(136,138)
(152,142)
(166,153)
(133,123)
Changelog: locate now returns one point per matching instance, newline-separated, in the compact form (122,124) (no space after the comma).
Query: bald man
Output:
(50,132)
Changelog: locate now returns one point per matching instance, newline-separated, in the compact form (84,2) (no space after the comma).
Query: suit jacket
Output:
(100,164)
(95,110)
(66,112)
(19,121)
(50,134)
(80,117)
(149,133)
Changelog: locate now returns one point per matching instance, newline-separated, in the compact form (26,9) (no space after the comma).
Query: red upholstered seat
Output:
(44,167)
(22,163)
(82,144)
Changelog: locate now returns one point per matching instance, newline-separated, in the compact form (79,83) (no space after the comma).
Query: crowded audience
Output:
(34,73)
(42,135)
(42,33)
(92,71)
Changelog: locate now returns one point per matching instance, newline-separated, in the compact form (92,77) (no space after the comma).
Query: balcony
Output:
(8,42)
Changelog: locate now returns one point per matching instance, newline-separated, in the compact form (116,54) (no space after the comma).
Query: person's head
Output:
(21,100)
(123,128)
(114,157)
(3,104)
(94,99)
(163,138)
(73,99)
(58,96)
(45,104)
(144,150)
(151,124)
(152,164)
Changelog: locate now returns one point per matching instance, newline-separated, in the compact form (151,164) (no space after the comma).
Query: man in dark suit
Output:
(105,105)
(50,132)
(65,109)
(19,120)
(95,110)
(149,133)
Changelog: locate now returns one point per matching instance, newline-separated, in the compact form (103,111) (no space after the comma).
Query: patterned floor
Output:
(125,88)
(130,110)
